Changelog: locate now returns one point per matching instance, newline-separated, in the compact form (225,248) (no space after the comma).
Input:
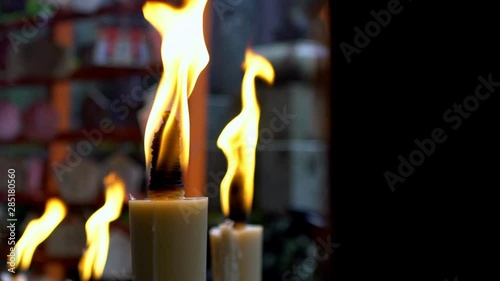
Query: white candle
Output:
(236,252)
(169,239)
(237,248)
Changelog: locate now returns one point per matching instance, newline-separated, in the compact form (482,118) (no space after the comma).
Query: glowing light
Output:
(238,139)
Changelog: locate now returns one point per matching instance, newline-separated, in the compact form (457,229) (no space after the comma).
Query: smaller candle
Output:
(236,252)
(236,247)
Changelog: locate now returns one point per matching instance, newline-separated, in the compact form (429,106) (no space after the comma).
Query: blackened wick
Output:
(167,174)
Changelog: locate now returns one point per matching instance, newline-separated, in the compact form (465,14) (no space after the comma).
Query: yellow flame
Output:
(97,229)
(238,139)
(184,55)
(37,231)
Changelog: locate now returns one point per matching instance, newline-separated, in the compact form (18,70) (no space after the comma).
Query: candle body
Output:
(236,253)
(169,239)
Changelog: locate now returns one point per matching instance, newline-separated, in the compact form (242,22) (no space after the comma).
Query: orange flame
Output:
(97,229)
(184,55)
(37,231)
(238,139)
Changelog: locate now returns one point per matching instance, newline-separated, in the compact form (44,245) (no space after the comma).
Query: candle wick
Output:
(239,225)
(166,172)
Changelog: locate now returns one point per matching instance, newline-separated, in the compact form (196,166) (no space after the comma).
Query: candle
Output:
(236,252)
(7,276)
(236,247)
(36,232)
(169,239)
(168,231)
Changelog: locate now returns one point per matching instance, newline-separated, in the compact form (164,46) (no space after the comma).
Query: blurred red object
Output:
(40,121)
(10,121)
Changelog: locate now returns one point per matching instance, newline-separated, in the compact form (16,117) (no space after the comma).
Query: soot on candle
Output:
(237,212)
(166,175)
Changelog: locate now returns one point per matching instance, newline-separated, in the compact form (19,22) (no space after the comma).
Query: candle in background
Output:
(236,247)
(37,231)
(168,231)
(97,229)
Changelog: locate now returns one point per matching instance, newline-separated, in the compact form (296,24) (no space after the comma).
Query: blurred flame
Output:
(38,230)
(97,229)
(184,55)
(238,139)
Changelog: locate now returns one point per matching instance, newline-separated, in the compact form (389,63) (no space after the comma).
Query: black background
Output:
(437,225)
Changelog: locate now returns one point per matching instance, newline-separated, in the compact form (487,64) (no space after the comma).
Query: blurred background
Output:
(67,65)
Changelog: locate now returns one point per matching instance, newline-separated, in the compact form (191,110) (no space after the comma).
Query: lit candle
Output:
(37,231)
(168,231)
(95,256)
(236,247)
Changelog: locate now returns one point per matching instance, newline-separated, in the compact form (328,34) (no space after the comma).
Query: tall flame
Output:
(37,231)
(238,139)
(184,55)
(97,229)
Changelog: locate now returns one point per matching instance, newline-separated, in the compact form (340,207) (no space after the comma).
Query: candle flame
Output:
(37,231)
(184,55)
(97,229)
(238,140)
